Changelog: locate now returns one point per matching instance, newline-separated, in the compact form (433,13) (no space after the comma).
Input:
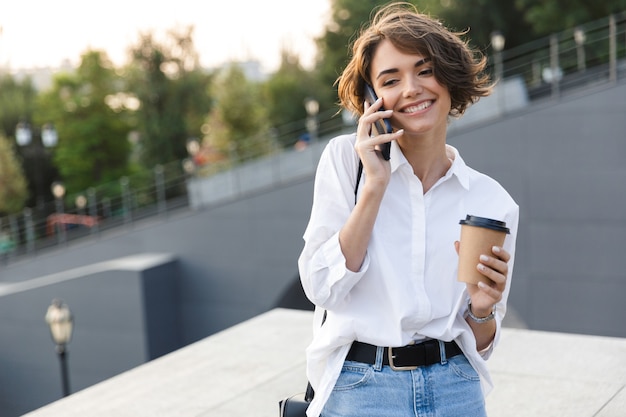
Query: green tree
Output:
(93,146)
(17,103)
(238,124)
(549,16)
(173,91)
(13,189)
(285,92)
(482,17)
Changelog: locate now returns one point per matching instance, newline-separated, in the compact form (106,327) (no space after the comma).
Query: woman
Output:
(402,336)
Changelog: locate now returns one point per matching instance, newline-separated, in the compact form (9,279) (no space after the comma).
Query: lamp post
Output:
(580,38)
(497,43)
(61,322)
(58,191)
(37,152)
(312,107)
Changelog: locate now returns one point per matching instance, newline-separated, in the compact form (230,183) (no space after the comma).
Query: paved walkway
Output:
(246,369)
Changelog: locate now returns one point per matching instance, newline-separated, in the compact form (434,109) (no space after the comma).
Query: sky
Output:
(44,33)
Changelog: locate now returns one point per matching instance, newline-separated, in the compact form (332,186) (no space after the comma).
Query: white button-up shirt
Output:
(407,288)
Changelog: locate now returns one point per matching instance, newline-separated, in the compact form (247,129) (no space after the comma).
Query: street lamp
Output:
(312,108)
(23,134)
(497,43)
(37,152)
(58,191)
(81,203)
(49,136)
(59,318)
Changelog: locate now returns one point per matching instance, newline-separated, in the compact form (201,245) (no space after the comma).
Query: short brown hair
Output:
(456,65)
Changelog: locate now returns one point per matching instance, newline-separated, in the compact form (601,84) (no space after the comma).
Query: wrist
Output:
(480,316)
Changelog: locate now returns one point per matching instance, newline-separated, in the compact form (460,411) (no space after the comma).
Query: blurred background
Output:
(163,194)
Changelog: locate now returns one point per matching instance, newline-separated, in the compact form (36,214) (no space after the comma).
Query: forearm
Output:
(484,333)
(355,235)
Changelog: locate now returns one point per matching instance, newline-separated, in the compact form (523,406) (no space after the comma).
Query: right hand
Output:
(367,144)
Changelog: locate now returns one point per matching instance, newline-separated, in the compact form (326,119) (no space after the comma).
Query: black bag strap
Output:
(310,393)
(358,179)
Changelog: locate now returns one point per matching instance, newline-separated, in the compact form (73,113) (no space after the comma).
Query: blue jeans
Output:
(447,389)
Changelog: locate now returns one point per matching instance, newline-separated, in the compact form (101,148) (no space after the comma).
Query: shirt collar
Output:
(458,168)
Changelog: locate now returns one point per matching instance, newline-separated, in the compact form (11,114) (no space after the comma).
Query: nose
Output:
(412,87)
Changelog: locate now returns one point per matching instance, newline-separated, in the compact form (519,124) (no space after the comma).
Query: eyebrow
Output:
(393,70)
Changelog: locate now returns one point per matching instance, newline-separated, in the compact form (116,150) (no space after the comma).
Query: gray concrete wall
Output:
(564,163)
(116,327)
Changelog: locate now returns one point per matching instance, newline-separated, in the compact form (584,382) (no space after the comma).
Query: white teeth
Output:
(421,106)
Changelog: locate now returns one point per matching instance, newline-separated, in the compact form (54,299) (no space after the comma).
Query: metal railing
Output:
(549,68)
(146,194)
(578,57)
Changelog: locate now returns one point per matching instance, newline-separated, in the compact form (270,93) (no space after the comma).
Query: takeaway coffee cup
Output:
(478,236)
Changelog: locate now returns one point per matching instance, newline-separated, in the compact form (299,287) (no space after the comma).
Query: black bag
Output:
(296,405)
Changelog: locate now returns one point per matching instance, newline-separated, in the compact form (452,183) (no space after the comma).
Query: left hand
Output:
(493,266)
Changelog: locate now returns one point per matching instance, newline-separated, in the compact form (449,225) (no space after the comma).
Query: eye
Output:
(389,82)
(425,72)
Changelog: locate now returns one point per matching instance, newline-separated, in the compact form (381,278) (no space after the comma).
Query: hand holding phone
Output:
(382,126)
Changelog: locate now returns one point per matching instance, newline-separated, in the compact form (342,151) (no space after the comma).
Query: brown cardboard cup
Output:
(478,236)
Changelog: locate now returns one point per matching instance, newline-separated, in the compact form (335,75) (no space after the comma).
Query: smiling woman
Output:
(224,31)
(382,269)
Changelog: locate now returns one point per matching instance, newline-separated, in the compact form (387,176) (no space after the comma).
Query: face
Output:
(407,85)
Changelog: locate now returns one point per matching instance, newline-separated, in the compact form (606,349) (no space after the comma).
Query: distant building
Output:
(41,76)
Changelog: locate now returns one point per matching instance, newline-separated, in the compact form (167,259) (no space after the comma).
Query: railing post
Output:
(126,200)
(160,189)
(14,234)
(554,66)
(93,209)
(612,49)
(30,232)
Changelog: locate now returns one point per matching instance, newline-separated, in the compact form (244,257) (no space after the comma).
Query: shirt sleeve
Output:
(322,265)
(512,219)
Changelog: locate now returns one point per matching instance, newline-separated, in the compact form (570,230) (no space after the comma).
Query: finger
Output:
(501,253)
(493,292)
(495,264)
(494,275)
(457,246)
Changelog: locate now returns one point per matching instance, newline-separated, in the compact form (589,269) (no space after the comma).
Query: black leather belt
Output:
(403,358)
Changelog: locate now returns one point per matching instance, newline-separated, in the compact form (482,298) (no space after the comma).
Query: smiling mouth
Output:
(422,106)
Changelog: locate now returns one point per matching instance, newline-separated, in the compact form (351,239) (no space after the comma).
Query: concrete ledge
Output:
(249,367)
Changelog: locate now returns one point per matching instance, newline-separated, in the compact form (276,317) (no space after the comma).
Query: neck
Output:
(428,158)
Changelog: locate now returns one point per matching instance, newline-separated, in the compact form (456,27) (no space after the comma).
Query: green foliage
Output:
(17,102)
(547,17)
(482,17)
(238,125)
(173,92)
(13,189)
(93,146)
(284,94)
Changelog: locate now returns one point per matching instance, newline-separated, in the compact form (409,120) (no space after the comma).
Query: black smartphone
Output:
(381,126)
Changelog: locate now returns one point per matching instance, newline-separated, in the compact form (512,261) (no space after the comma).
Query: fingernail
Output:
(481,267)
(496,249)
(482,285)
(484,258)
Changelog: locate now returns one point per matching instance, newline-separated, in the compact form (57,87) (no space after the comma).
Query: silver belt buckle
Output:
(393,366)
